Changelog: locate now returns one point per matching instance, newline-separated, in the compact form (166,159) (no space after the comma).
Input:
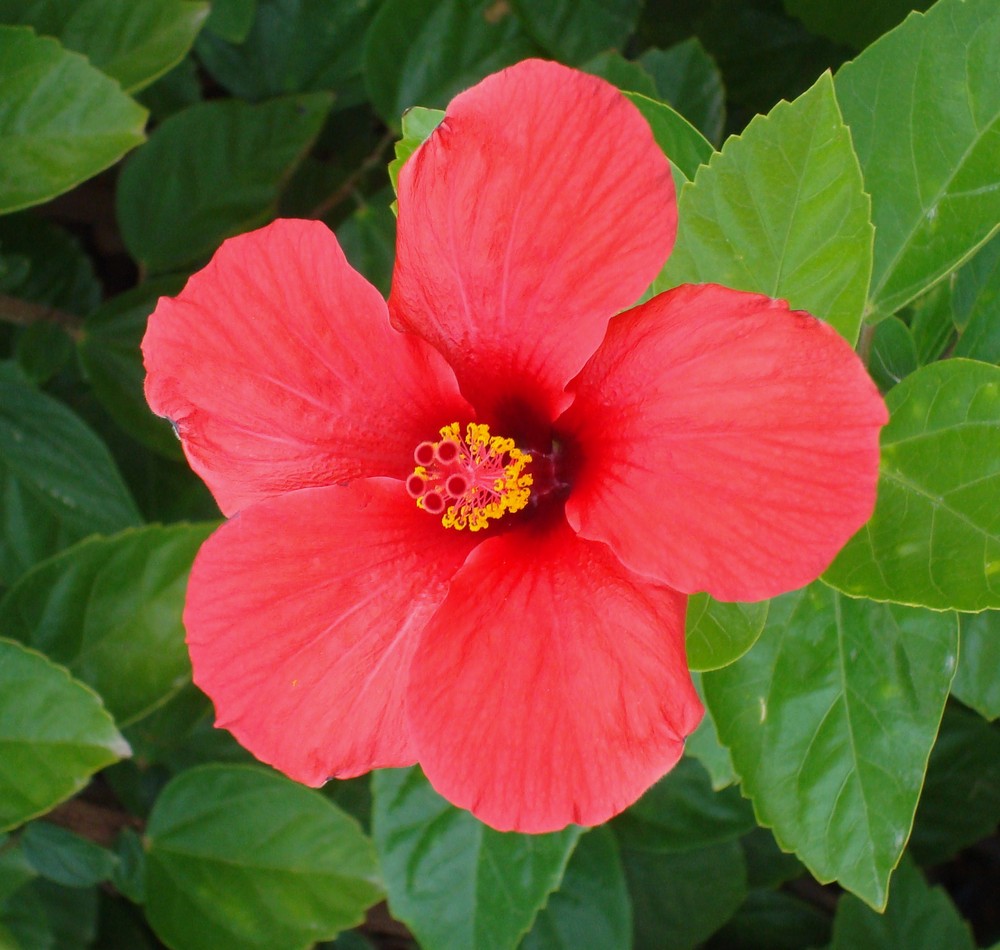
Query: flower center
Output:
(469,479)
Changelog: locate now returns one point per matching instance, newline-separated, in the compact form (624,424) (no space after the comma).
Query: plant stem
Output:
(24,313)
(343,192)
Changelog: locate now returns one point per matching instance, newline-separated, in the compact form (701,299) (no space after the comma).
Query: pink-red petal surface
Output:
(728,444)
(551,687)
(279,369)
(302,615)
(538,208)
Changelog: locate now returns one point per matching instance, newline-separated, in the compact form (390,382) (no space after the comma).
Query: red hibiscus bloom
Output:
(462,528)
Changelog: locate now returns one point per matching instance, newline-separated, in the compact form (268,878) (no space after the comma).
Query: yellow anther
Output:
(470,480)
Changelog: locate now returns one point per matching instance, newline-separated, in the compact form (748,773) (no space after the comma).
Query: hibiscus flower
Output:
(462,527)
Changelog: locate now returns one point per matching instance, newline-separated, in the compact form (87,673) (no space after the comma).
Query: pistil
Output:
(471,479)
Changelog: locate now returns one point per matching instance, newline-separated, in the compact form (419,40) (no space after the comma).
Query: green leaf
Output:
(591,909)
(176,203)
(65,858)
(295,46)
(976,305)
(934,538)
(42,350)
(893,353)
(773,920)
(15,870)
(627,75)
(112,362)
(976,683)
(719,633)
(418,123)
(705,746)
(767,864)
(54,734)
(853,22)
(781,210)
(368,239)
(917,917)
(680,898)
(830,719)
(57,479)
(109,609)
(454,881)
(573,30)
(181,733)
(681,812)
(960,804)
(51,140)
(231,19)
(128,873)
(680,141)
(132,42)
(45,265)
(56,271)
(932,324)
(923,105)
(173,91)
(422,52)
(243,857)
(68,915)
(687,77)
(23,922)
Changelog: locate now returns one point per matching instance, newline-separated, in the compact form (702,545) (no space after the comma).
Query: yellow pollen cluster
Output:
(470,480)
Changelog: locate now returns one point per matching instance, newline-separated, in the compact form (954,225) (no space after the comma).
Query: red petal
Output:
(279,369)
(302,615)
(726,444)
(551,687)
(538,208)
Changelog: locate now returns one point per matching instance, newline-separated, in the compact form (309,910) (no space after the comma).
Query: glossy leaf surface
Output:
(830,719)
(133,43)
(59,483)
(454,881)
(295,46)
(54,734)
(244,857)
(50,141)
(422,52)
(788,193)
(176,204)
(719,633)
(927,91)
(934,538)
(976,683)
(109,609)
(591,908)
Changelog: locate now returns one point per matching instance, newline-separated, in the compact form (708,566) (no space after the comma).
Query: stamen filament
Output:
(471,479)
